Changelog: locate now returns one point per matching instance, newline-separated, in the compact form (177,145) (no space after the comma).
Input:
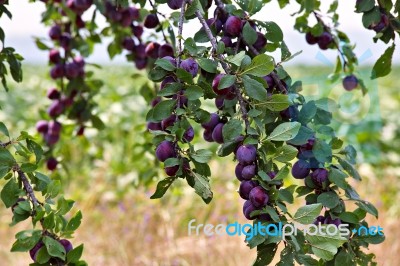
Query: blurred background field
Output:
(111,176)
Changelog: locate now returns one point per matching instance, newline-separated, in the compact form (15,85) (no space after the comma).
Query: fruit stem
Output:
(224,65)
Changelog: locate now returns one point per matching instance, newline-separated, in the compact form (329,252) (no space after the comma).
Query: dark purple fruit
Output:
(335,221)
(311,39)
(165,50)
(238,171)
(249,172)
(191,66)
(248,208)
(54,127)
(300,169)
(55,109)
(246,187)
(54,56)
(215,24)
(57,71)
(207,135)
(260,42)
(53,94)
(227,41)
(33,252)
(350,82)
(165,150)
(219,102)
(258,197)
(52,163)
(319,176)
(246,154)
(154,126)
(175,4)
(217,133)
(319,220)
(233,26)
(42,126)
(188,136)
(325,40)
(210,124)
(168,122)
(128,43)
(152,49)
(215,84)
(66,244)
(55,32)
(151,21)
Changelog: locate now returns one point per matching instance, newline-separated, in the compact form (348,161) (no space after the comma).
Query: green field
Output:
(111,175)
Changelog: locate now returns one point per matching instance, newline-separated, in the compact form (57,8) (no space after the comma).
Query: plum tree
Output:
(260,116)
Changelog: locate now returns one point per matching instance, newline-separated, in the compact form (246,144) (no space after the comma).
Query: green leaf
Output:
(4,130)
(42,256)
(236,59)
(254,89)
(28,167)
(194,92)
(277,102)
(325,246)
(349,217)
(285,131)
(265,254)
(282,173)
(231,130)
(383,65)
(364,5)
(307,112)
(349,168)
(201,156)
(75,222)
(328,199)
(371,17)
(226,81)
(163,109)
(285,195)
(322,151)
(274,32)
(344,258)
(260,66)
(285,154)
(48,221)
(193,8)
(97,122)
(54,248)
(162,187)
(208,65)
(74,255)
(6,159)
(9,193)
(308,213)
(53,188)
(165,64)
(368,207)
(249,34)
(338,178)
(26,240)
(35,148)
(202,187)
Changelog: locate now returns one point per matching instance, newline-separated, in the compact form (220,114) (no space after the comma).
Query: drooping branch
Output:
(224,65)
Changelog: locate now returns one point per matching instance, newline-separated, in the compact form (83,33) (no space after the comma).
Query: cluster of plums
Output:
(53,261)
(324,40)
(213,129)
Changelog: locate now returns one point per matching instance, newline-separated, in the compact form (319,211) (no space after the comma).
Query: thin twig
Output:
(328,29)
(5,144)
(27,186)
(158,13)
(180,31)
(225,66)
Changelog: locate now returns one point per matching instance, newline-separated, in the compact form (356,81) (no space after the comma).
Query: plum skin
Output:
(246,154)
(350,82)
(246,187)
(233,26)
(258,197)
(300,170)
(165,150)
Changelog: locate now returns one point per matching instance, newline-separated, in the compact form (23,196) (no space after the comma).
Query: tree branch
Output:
(180,30)
(5,144)
(27,186)
(225,66)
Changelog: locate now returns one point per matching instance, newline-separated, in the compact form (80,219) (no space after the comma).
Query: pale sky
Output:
(26,24)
